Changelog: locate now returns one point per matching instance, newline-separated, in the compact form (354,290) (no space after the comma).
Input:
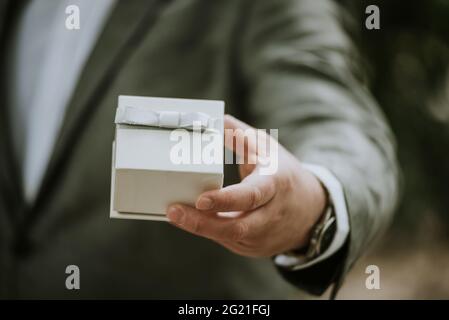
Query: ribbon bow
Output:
(164,119)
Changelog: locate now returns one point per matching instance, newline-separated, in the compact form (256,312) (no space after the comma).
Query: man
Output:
(278,64)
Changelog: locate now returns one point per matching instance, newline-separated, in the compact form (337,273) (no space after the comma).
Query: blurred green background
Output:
(407,68)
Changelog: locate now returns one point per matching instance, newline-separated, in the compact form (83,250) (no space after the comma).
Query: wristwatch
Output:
(321,238)
(322,234)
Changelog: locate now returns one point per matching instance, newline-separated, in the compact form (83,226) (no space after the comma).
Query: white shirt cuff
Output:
(337,199)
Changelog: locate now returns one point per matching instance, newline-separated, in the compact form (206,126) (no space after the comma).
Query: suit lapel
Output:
(128,24)
(11,196)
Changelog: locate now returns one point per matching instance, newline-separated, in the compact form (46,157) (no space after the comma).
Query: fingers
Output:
(233,123)
(243,229)
(253,192)
(207,225)
(246,141)
(235,214)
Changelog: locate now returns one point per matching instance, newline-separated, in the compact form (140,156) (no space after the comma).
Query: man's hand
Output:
(263,215)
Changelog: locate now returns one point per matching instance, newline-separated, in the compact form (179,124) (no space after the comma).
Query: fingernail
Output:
(175,215)
(204,203)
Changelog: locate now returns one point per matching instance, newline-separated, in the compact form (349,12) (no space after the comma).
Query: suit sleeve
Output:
(297,66)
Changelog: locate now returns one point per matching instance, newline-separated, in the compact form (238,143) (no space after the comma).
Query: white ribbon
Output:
(164,119)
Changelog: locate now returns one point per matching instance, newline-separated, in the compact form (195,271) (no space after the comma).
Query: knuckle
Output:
(277,216)
(255,197)
(196,225)
(239,231)
(271,187)
(226,201)
(284,184)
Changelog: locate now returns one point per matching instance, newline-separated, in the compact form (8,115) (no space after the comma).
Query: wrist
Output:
(318,204)
(334,229)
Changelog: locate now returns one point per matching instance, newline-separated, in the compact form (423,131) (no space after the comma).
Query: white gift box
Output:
(165,151)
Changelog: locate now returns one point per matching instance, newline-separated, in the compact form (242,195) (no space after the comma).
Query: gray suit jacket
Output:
(278,64)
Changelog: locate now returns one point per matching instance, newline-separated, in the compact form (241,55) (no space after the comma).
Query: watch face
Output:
(322,235)
(328,233)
